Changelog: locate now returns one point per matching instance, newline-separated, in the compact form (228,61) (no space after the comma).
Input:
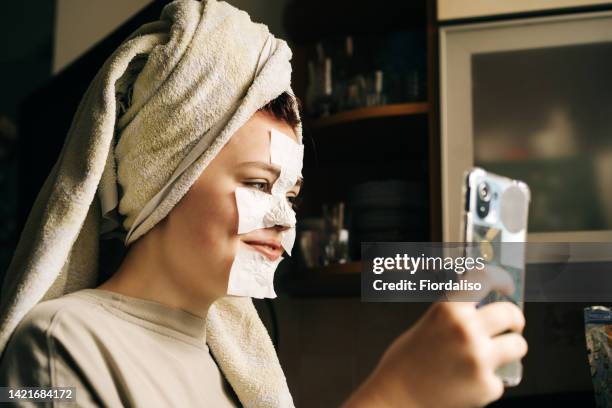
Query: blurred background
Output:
(399,98)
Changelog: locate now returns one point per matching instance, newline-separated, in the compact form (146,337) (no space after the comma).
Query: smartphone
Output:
(495,221)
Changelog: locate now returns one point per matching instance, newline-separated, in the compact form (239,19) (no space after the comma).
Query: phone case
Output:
(495,220)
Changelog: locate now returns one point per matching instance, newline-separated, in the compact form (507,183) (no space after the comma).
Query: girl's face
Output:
(200,234)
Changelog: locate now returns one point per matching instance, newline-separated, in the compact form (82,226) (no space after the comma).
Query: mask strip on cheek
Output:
(253,205)
(258,210)
(252,275)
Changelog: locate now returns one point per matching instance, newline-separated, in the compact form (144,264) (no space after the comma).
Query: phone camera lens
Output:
(483,200)
(484,192)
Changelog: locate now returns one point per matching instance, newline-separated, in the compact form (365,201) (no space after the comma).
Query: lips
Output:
(270,249)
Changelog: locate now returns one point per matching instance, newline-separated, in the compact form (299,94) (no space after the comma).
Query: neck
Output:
(146,275)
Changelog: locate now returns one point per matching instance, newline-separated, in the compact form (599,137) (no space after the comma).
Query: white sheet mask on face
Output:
(252,274)
(257,210)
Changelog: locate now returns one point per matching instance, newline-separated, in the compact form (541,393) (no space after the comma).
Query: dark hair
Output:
(282,108)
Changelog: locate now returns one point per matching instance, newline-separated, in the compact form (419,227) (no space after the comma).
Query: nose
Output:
(281,215)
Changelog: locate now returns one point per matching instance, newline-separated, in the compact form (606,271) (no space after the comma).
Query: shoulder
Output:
(57,319)
(45,336)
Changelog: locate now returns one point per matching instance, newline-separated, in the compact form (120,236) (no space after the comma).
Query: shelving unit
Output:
(399,109)
(395,141)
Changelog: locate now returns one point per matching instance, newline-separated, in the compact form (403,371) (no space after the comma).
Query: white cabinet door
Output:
(456,9)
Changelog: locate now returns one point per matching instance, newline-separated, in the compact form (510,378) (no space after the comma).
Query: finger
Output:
(507,348)
(499,317)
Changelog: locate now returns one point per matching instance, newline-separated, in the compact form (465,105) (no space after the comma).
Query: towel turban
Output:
(158,111)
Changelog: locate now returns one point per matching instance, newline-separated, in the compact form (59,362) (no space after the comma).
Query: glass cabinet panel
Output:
(544,116)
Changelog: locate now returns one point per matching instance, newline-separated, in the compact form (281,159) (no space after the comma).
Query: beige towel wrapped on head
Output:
(156,114)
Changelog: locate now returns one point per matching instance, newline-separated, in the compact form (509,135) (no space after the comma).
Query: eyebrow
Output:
(269,168)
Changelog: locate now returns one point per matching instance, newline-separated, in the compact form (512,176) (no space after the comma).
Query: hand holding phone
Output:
(495,222)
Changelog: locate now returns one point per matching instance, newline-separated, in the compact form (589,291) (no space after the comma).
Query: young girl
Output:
(188,147)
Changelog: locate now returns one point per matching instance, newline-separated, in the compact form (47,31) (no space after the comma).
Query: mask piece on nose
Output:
(258,210)
(252,274)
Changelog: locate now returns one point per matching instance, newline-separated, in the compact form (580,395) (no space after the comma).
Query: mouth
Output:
(270,249)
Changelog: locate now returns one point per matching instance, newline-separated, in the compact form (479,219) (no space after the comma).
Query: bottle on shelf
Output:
(336,249)
(375,95)
(326,104)
(312,92)
(319,90)
(345,89)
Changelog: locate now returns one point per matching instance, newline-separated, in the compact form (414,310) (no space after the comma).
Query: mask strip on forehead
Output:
(285,152)
(288,155)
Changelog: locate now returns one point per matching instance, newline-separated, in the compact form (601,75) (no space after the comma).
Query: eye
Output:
(258,185)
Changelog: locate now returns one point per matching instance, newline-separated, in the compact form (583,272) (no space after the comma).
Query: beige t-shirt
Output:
(117,351)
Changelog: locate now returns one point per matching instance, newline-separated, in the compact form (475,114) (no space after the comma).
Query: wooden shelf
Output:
(344,268)
(399,109)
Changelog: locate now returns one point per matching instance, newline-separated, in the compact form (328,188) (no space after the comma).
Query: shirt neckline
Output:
(184,322)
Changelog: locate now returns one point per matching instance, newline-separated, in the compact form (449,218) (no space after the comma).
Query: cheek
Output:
(212,218)
(205,230)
